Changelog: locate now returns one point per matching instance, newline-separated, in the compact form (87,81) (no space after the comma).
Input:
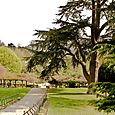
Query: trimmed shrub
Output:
(71,83)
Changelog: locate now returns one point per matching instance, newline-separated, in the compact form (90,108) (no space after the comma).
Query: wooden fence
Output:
(36,107)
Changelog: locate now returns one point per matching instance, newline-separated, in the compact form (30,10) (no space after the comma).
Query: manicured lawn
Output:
(4,92)
(68,101)
(10,95)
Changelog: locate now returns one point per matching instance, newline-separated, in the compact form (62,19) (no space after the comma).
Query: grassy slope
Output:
(71,102)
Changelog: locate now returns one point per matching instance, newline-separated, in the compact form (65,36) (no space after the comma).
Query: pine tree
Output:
(82,25)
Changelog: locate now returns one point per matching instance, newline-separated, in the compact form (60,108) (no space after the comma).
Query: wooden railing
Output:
(36,107)
(6,100)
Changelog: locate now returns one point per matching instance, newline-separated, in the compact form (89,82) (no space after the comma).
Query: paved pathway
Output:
(25,103)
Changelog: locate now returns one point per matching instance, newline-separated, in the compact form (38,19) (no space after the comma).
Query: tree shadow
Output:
(70,94)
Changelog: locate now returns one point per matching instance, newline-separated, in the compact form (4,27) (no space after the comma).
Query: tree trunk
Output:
(93,65)
(85,73)
(92,75)
(94,37)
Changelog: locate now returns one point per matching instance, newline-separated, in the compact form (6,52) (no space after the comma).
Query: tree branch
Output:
(80,50)
(104,26)
(103,2)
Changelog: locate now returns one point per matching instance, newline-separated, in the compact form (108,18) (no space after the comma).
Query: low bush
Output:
(72,83)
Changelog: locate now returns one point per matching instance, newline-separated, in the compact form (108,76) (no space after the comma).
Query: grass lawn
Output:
(4,92)
(68,101)
(9,95)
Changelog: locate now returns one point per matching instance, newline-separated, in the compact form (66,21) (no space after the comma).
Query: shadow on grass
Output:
(55,90)
(69,94)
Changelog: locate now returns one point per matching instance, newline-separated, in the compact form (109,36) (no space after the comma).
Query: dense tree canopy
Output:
(106,73)
(83,24)
(10,60)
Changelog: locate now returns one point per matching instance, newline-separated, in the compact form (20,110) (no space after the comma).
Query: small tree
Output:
(10,60)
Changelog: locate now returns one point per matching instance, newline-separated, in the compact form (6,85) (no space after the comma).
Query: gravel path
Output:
(34,96)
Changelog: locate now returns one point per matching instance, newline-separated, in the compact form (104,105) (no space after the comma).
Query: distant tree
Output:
(72,83)
(83,23)
(19,45)
(2,43)
(22,53)
(11,45)
(10,60)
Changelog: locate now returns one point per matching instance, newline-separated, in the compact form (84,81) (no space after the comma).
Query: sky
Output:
(19,19)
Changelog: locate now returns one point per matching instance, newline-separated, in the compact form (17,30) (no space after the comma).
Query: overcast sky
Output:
(19,18)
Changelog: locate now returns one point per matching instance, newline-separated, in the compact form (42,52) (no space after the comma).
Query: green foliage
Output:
(106,51)
(22,53)
(70,71)
(72,83)
(72,37)
(9,60)
(106,73)
(106,92)
(55,46)
(106,48)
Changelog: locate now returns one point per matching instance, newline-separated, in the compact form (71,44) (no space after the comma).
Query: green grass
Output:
(70,101)
(10,95)
(4,92)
